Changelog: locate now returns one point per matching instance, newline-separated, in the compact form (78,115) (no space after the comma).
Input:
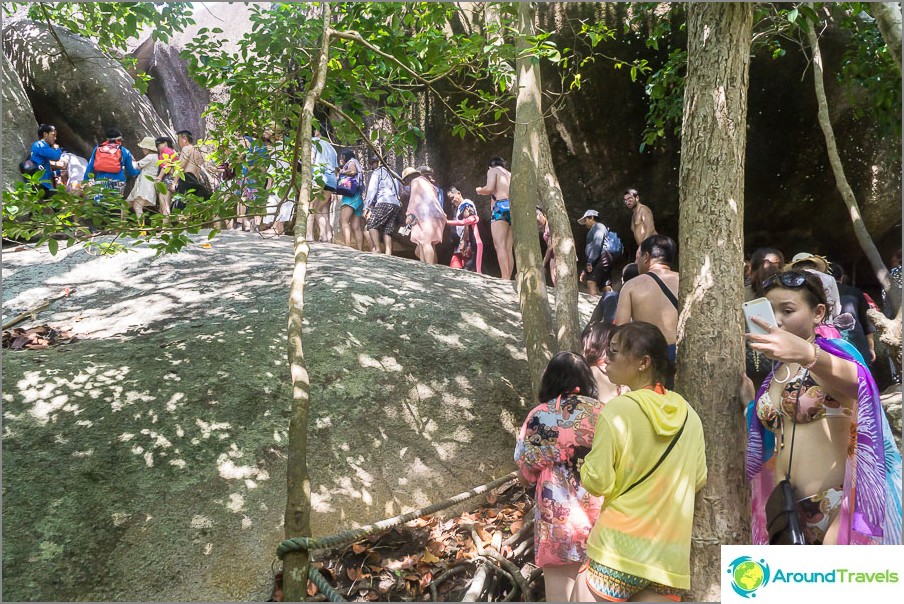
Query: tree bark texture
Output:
(711,226)
(298,487)
(888,15)
(535,312)
(568,320)
(847,194)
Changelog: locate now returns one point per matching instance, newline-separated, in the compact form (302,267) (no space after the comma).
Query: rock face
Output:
(175,96)
(81,91)
(19,126)
(146,460)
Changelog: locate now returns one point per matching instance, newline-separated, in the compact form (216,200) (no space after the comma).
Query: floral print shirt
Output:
(554,439)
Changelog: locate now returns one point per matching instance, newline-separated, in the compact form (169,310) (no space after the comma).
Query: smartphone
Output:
(762,308)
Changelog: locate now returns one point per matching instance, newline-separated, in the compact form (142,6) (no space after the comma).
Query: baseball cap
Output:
(588,214)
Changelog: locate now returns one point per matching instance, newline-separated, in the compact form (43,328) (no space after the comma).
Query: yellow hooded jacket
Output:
(647,531)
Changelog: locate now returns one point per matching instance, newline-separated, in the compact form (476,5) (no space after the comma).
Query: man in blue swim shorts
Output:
(497,187)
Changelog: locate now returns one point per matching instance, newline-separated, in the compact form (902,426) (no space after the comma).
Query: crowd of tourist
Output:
(613,455)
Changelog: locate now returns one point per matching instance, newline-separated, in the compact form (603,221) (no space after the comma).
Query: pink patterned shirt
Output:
(554,439)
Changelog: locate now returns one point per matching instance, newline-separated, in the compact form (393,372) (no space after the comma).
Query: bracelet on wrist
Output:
(816,351)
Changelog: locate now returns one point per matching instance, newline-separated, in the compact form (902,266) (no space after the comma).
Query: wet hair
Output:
(595,340)
(452,190)
(187,134)
(629,272)
(638,339)
(757,260)
(163,139)
(661,247)
(113,134)
(44,129)
(565,372)
(497,161)
(347,155)
(373,159)
(632,192)
(813,292)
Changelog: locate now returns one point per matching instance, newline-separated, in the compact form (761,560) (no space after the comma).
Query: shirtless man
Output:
(642,217)
(643,298)
(497,187)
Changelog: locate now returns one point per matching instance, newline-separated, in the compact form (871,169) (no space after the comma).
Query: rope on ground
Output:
(324,586)
(297,544)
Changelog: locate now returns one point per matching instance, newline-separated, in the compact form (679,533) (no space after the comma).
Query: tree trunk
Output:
(568,321)
(298,487)
(863,236)
(535,313)
(711,226)
(888,15)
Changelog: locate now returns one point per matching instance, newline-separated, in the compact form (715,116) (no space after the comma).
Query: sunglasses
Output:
(788,279)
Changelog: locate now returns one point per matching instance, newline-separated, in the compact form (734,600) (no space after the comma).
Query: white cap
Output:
(588,214)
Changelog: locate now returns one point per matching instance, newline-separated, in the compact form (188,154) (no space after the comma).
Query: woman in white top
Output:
(144,194)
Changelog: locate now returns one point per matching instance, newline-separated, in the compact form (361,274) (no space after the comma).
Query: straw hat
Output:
(409,172)
(148,143)
(822,265)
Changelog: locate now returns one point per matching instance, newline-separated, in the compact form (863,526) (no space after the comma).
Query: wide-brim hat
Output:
(425,170)
(588,214)
(822,264)
(409,172)
(148,143)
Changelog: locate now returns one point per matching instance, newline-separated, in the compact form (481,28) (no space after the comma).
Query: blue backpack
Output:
(614,245)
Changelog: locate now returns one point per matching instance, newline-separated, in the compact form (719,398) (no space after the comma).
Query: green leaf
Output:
(792,15)
(52,246)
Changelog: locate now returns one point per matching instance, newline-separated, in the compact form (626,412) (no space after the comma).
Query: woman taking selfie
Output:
(647,462)
(823,400)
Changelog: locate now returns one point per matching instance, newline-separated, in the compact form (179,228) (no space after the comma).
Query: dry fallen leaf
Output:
(430,558)
(359,548)
(516,526)
(492,496)
(426,580)
(312,589)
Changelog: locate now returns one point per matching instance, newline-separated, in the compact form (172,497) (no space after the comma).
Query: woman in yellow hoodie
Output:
(647,462)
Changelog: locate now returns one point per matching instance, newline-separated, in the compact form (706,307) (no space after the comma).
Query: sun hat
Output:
(588,214)
(822,265)
(409,171)
(148,142)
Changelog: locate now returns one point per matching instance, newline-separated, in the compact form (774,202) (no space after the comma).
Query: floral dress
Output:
(555,438)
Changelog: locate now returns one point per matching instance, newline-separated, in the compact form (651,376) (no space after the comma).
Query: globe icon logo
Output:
(748,575)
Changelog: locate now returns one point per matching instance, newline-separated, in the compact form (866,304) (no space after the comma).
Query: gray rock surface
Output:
(19,125)
(82,91)
(146,460)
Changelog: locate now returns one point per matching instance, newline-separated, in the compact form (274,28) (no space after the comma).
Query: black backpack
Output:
(28,167)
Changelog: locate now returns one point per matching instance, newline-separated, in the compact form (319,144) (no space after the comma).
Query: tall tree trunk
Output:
(863,236)
(535,313)
(888,15)
(568,321)
(711,225)
(298,487)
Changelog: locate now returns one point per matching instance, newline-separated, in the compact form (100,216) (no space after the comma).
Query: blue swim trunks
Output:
(501,210)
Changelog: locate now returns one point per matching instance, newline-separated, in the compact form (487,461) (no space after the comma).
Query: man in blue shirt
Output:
(599,260)
(108,156)
(45,152)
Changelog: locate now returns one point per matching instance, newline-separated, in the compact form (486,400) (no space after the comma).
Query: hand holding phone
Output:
(761,308)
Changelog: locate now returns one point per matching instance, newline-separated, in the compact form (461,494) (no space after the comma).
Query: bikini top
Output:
(815,404)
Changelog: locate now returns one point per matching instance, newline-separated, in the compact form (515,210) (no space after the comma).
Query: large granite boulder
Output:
(19,126)
(173,92)
(79,89)
(146,460)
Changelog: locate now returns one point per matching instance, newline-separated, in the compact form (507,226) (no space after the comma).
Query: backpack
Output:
(29,167)
(108,158)
(614,245)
